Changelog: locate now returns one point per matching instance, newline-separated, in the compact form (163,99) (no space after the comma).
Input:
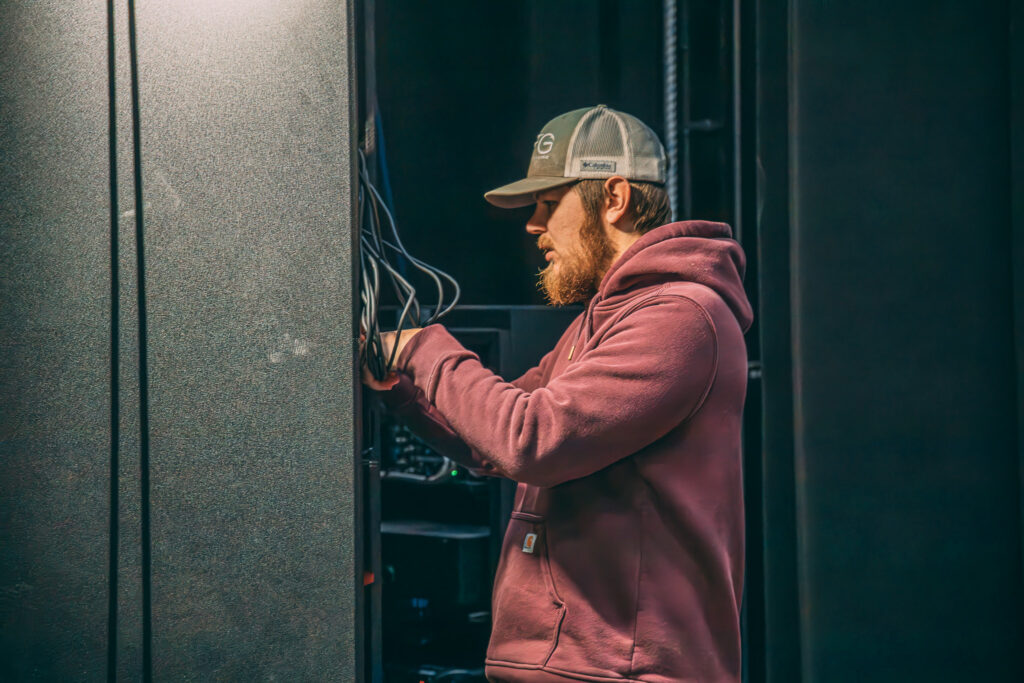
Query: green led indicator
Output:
(454,472)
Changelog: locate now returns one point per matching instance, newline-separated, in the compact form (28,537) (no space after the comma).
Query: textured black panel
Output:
(246,172)
(54,344)
(907,476)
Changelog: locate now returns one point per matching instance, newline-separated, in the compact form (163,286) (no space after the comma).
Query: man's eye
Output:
(550,205)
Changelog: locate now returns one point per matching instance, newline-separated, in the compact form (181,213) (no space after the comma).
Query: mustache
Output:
(543,244)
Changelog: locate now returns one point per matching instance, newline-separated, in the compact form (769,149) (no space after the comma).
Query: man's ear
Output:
(616,199)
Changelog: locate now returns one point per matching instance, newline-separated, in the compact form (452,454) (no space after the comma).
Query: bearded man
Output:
(623,558)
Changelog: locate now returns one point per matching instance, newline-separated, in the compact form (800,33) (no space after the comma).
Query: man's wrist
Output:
(391,339)
(406,337)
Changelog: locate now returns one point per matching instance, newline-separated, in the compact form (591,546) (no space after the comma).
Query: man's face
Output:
(578,251)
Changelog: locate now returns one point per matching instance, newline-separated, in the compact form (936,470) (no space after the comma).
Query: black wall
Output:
(892,473)
(246,160)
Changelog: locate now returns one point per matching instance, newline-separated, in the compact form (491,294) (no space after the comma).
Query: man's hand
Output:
(388,342)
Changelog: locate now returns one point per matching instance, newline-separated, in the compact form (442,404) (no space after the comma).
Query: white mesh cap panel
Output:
(607,142)
(598,148)
(648,154)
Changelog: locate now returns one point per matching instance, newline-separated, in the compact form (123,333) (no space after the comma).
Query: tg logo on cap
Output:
(545,143)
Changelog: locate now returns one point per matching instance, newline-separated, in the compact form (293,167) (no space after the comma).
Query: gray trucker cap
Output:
(593,142)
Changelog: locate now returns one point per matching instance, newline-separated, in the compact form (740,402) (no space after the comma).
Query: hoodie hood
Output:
(689,251)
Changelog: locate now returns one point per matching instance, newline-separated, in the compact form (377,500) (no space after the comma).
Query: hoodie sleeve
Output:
(648,373)
(407,401)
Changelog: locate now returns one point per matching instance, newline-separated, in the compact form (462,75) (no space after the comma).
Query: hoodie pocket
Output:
(527,612)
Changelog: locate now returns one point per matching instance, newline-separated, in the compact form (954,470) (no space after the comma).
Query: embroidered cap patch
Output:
(606,166)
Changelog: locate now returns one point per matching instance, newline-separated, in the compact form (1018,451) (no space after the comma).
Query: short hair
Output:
(648,202)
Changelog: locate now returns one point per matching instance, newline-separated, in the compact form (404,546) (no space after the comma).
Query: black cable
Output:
(147,564)
(115,355)
(374,219)
(434,273)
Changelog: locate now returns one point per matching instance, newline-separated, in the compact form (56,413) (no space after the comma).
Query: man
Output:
(623,559)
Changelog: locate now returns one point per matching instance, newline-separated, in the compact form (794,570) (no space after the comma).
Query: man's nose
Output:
(536,225)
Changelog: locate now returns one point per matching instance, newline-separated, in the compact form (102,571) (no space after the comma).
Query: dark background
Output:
(461,105)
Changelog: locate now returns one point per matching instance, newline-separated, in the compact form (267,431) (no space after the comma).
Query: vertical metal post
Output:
(737,118)
(671,109)
(687,173)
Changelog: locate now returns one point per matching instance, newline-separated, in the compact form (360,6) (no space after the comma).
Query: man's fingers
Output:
(379,384)
(387,345)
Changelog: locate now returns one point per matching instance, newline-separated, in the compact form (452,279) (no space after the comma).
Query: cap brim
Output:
(521,192)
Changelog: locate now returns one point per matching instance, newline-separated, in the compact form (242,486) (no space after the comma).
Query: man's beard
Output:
(575,277)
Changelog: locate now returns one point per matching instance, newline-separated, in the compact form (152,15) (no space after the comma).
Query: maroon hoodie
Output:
(623,559)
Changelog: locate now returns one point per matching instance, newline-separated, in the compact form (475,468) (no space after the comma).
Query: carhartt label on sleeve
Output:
(529,542)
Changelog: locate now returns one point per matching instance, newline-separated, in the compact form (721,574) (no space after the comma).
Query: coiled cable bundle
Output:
(382,256)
